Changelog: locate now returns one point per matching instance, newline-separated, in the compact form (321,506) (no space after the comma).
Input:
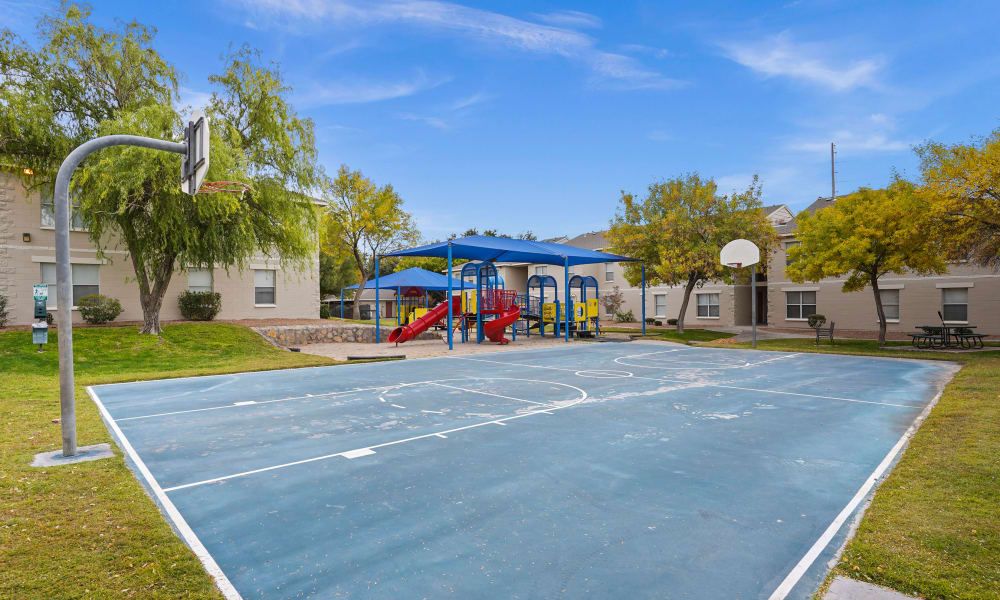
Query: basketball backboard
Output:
(194,165)
(739,253)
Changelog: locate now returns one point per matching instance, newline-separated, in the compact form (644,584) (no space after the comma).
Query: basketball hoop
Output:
(223,187)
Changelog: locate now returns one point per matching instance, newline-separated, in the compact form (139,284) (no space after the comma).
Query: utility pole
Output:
(833,176)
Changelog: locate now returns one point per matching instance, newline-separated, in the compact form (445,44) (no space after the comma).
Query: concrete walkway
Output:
(427,348)
(843,588)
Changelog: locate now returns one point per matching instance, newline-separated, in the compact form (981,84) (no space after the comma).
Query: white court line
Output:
(489,394)
(793,577)
(259,402)
(221,581)
(548,410)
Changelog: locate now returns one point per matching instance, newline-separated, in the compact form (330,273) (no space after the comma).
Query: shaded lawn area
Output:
(89,530)
(671,335)
(365,321)
(933,527)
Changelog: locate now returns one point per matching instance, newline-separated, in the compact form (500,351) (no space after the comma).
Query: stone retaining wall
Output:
(300,335)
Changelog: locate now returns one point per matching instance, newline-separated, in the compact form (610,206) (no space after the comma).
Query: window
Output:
(609,271)
(660,302)
(49,213)
(541,270)
(199,280)
(890,304)
(263,286)
(85,278)
(955,304)
(799,305)
(789,246)
(708,306)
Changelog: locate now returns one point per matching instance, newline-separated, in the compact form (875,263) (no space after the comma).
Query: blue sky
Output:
(533,115)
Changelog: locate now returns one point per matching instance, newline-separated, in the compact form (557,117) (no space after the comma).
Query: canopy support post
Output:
(566,284)
(341,303)
(378,327)
(451,334)
(643,298)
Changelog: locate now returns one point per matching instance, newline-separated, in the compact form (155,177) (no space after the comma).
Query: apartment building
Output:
(964,295)
(264,290)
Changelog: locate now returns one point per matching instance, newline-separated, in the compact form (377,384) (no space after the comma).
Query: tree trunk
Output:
(151,298)
(879,310)
(688,288)
(357,295)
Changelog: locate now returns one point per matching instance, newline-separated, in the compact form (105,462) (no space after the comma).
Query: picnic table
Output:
(947,336)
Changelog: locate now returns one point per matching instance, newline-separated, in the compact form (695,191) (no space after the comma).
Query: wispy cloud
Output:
(354,91)
(642,49)
(874,133)
(622,72)
(659,135)
(470,101)
(191,98)
(435,122)
(569,18)
(780,56)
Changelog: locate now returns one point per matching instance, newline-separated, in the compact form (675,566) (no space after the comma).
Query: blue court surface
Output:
(614,470)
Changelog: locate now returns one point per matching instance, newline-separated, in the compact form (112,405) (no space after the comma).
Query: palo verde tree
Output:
(864,236)
(962,182)
(364,220)
(97,82)
(679,228)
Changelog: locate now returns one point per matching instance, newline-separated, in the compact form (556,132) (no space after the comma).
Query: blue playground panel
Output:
(592,470)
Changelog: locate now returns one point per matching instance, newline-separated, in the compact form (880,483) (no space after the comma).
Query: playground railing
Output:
(502,300)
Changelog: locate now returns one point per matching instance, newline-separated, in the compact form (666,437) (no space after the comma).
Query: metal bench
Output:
(926,340)
(826,332)
(970,340)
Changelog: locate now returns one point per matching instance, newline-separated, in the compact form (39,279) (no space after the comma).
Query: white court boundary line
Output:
(356,451)
(800,568)
(621,360)
(190,538)
(694,384)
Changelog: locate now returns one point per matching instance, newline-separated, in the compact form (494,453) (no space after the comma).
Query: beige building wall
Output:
(296,293)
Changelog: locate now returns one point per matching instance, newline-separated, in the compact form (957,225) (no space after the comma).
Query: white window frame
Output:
(656,305)
(273,287)
(800,304)
(708,305)
(609,271)
(52,302)
(541,271)
(944,292)
(201,288)
(789,245)
(47,211)
(890,292)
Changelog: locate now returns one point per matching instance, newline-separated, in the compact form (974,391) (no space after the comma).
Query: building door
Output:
(761,304)
(388,308)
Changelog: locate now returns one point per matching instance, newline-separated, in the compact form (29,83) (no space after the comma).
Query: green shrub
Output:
(650,320)
(624,317)
(4,317)
(324,311)
(657,322)
(817,321)
(200,306)
(671,321)
(96,309)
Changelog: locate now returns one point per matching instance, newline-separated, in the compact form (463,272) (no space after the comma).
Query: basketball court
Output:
(639,470)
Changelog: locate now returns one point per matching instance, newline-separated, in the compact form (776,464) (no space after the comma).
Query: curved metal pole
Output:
(64,283)
(451,342)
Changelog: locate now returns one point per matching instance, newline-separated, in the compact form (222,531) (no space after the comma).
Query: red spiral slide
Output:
(494,329)
(418,326)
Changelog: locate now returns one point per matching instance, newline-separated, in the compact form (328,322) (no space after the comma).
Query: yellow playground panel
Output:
(592,308)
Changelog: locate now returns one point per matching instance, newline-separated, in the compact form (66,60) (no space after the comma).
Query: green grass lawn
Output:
(89,530)
(933,528)
(671,335)
(385,321)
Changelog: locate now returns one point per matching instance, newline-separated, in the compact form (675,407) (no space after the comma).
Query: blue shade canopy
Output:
(413,277)
(486,248)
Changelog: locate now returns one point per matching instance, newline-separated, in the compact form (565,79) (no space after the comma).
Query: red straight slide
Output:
(494,329)
(418,326)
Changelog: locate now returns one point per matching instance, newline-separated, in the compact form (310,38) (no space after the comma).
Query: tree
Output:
(864,236)
(89,82)
(963,184)
(678,229)
(365,219)
(612,301)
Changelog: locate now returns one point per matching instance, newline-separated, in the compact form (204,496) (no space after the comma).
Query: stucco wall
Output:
(297,293)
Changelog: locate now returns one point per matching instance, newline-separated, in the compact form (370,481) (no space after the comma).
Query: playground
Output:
(600,470)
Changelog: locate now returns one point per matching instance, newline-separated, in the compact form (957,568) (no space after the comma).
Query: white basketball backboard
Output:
(194,166)
(739,253)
